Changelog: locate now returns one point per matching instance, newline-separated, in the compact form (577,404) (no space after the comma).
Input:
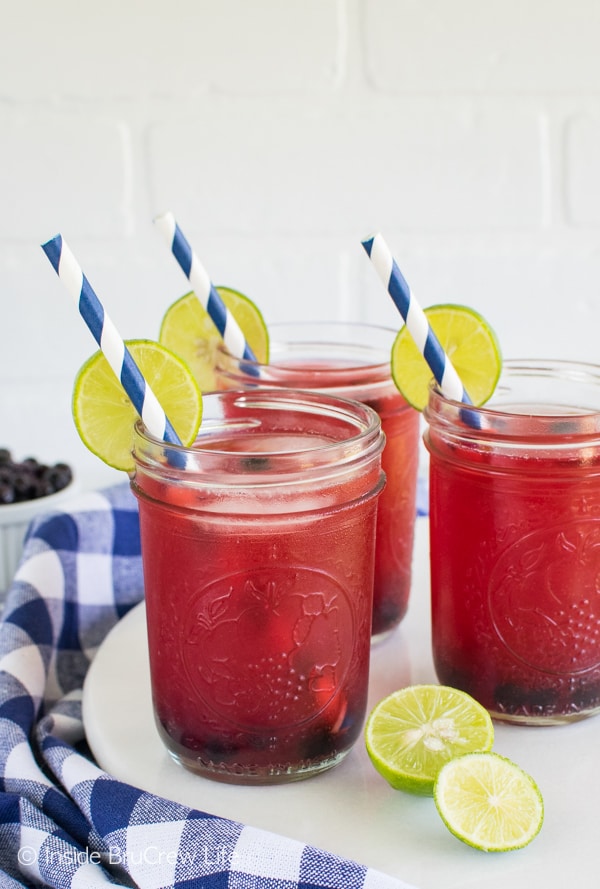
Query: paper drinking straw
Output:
(415,319)
(106,335)
(203,287)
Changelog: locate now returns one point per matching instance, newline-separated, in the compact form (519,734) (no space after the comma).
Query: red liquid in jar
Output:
(259,613)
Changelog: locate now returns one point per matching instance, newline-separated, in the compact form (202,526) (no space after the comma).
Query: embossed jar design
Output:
(353,361)
(515,543)
(258,555)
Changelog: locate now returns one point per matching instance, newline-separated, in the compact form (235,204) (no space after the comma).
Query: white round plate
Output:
(351,810)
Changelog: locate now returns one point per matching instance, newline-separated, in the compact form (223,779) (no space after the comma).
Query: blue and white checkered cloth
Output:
(64,822)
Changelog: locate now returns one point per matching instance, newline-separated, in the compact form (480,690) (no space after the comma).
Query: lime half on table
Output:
(105,416)
(470,344)
(413,732)
(188,330)
(489,802)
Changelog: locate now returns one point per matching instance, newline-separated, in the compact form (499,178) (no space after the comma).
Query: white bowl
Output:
(15,519)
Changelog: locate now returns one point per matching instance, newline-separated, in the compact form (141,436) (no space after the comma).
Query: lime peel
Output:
(105,416)
(489,802)
(189,331)
(413,732)
(469,342)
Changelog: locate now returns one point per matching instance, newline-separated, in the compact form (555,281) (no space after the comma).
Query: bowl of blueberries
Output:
(27,488)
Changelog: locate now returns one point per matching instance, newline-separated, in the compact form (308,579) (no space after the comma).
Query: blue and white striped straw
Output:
(203,287)
(106,335)
(415,319)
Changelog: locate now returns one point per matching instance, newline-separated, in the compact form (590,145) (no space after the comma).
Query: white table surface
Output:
(351,810)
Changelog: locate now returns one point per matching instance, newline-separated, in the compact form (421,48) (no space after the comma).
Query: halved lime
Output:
(489,802)
(413,732)
(104,415)
(471,346)
(188,330)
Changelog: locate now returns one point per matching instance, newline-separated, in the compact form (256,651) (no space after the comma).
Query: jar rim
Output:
(368,344)
(353,429)
(555,412)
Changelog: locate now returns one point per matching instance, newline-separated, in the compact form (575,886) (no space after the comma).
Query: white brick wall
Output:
(280,134)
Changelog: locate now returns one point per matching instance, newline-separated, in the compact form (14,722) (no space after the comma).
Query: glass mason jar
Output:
(515,542)
(353,361)
(257,550)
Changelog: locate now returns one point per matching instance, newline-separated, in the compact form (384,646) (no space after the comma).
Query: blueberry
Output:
(29,479)
(60,476)
(513,699)
(23,485)
(320,745)
(255,464)
(7,493)
(587,697)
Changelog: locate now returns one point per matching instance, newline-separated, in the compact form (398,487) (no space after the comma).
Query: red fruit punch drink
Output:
(515,543)
(353,361)
(258,549)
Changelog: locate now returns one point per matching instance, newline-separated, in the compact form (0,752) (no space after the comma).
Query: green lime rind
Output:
(471,345)
(188,330)
(104,415)
(413,732)
(489,802)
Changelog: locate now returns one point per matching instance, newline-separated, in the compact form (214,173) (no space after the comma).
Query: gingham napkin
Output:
(63,821)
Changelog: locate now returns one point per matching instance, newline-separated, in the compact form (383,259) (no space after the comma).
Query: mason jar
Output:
(353,361)
(258,557)
(515,542)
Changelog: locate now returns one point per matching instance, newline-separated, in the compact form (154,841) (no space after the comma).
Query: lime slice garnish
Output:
(104,415)
(489,802)
(188,330)
(413,732)
(469,342)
